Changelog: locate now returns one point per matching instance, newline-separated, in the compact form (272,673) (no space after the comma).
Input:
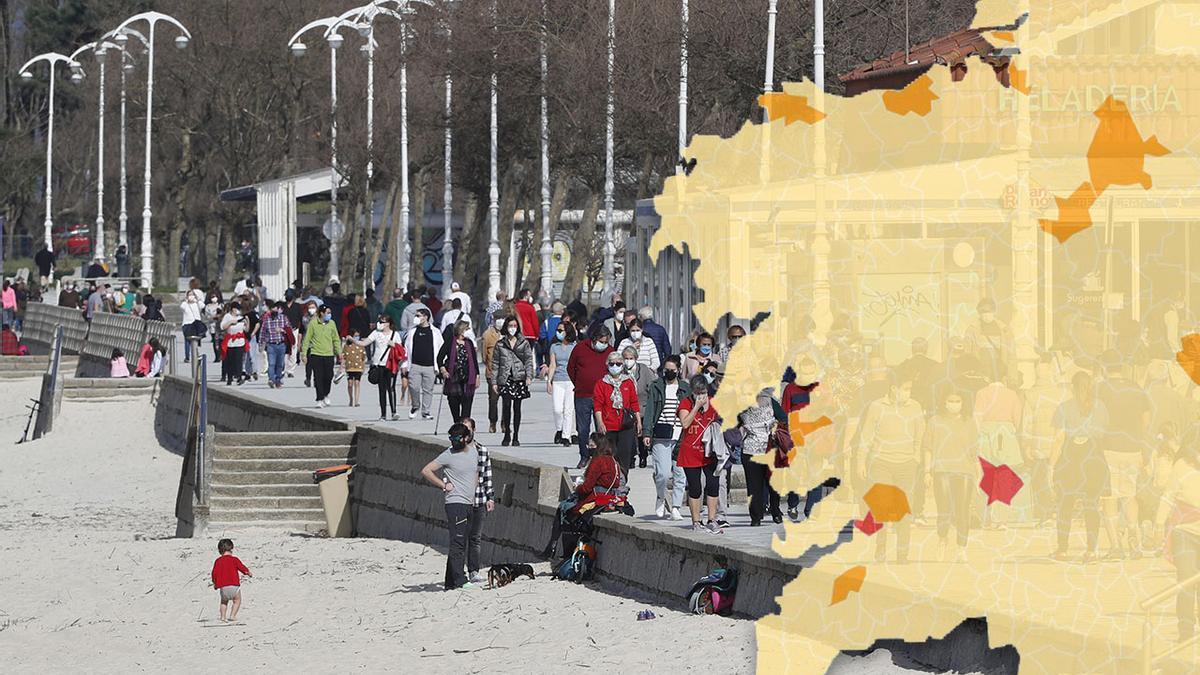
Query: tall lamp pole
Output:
(683,75)
(121,38)
(299,48)
(609,244)
(547,247)
(493,188)
(52,59)
(151,18)
(448,193)
(99,49)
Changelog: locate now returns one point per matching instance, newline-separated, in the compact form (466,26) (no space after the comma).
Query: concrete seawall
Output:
(389,499)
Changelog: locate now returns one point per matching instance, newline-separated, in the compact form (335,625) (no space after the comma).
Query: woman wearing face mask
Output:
(643,379)
(661,434)
(310,315)
(618,411)
(950,447)
(646,353)
(512,363)
(1080,472)
(759,423)
(559,386)
(322,345)
(457,363)
(386,349)
(695,361)
(233,344)
(487,347)
(696,414)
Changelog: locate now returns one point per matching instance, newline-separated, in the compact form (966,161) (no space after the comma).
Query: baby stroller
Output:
(573,527)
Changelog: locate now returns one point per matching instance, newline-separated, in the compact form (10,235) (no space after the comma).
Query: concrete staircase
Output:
(107,389)
(18,367)
(265,479)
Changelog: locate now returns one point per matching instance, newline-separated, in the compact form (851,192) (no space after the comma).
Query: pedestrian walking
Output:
(618,411)
(512,362)
(660,432)
(1080,473)
(487,345)
(559,385)
(696,415)
(233,344)
(322,347)
(586,366)
(385,345)
(458,364)
(274,333)
(950,448)
(422,344)
(890,441)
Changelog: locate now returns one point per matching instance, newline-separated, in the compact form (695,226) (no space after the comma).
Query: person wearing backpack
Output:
(382,341)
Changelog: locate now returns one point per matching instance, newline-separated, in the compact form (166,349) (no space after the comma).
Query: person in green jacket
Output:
(395,308)
(660,433)
(323,346)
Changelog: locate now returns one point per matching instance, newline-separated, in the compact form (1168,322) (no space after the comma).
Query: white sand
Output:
(92,580)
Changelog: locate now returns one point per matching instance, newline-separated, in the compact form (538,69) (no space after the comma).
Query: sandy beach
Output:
(94,580)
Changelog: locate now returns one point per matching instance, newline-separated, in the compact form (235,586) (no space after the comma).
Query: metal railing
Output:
(48,398)
(203,461)
(1150,660)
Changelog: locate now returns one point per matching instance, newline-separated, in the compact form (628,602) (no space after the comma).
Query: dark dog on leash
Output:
(506,573)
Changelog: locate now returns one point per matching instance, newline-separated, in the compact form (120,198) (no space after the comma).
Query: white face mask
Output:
(499,324)
(381,325)
(615,369)
(630,364)
(599,346)
(512,330)
(312,310)
(635,335)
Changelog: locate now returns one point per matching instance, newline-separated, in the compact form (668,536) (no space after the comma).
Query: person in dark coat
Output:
(458,363)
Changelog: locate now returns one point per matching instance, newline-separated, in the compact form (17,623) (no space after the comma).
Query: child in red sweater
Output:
(226,580)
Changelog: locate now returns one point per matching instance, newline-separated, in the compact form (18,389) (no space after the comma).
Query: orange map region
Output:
(799,429)
(850,581)
(888,503)
(916,98)
(1189,358)
(789,108)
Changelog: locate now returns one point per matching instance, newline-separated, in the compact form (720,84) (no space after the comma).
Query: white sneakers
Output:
(412,414)
(661,511)
(320,403)
(675,515)
(477,578)
(324,403)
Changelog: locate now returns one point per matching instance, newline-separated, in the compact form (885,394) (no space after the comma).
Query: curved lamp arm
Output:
(152,18)
(52,58)
(326,23)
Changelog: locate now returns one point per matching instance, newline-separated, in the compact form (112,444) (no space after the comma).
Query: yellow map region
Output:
(1068,200)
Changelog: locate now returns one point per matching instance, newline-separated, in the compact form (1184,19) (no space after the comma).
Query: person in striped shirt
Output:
(647,352)
(485,502)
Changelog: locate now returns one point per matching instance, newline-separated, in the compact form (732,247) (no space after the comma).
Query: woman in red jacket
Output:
(618,412)
(696,414)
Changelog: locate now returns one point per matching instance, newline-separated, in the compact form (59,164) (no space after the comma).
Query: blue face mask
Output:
(705,349)
(561,335)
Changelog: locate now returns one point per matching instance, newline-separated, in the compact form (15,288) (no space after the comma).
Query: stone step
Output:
(20,374)
(109,383)
(220,528)
(224,465)
(337,438)
(105,394)
(275,490)
(110,398)
(298,477)
(315,452)
(316,515)
(312,501)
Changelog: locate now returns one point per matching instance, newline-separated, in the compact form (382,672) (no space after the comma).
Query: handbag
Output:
(783,444)
(373,374)
(628,421)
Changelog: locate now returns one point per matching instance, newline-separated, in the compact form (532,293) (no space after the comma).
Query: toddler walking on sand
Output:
(226,580)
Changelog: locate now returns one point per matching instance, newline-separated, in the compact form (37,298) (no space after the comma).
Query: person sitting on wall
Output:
(10,344)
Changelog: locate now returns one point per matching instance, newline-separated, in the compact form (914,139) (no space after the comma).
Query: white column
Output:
(683,75)
(99,238)
(147,271)
(403,253)
(609,244)
(369,275)
(547,246)
(764,167)
(822,313)
(493,188)
(334,241)
(123,217)
(48,223)
(448,193)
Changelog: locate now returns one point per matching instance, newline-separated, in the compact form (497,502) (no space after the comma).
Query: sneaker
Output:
(794,514)
(675,515)
(697,527)
(661,510)
(426,416)
(395,417)
(325,403)
(319,404)
(491,427)
(477,578)
(642,463)
(307,382)
(721,522)
(412,414)
(470,586)
(714,528)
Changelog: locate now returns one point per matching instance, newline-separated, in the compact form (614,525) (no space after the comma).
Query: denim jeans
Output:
(584,410)
(665,468)
(275,356)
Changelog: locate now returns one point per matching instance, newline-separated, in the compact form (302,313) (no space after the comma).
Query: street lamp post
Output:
(448,192)
(121,38)
(299,48)
(99,49)
(683,75)
(151,18)
(547,246)
(493,189)
(52,59)
(609,244)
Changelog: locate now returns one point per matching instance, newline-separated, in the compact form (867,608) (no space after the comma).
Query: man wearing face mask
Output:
(704,354)
(422,343)
(409,318)
(890,451)
(322,346)
(645,351)
(487,345)
(274,343)
(587,365)
(990,341)
(660,433)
